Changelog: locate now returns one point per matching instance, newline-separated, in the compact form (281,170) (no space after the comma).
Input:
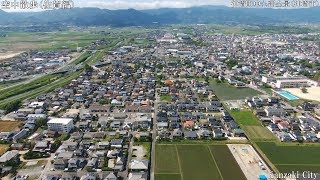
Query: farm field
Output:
(225,91)
(197,163)
(22,41)
(300,168)
(167,176)
(292,157)
(6,126)
(225,162)
(166,159)
(192,162)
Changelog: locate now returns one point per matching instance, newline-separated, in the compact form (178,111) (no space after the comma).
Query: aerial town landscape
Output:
(163,102)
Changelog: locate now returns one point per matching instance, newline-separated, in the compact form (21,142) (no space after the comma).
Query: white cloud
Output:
(148,4)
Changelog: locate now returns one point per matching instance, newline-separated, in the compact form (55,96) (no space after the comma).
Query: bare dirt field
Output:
(6,126)
(7,55)
(313,93)
(248,160)
(3,148)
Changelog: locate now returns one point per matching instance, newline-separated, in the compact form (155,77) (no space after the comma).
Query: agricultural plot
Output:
(227,92)
(197,163)
(167,176)
(7,126)
(193,162)
(300,168)
(22,41)
(166,159)
(225,162)
(289,158)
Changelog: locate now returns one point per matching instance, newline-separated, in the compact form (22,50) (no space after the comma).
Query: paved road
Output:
(154,136)
(31,78)
(47,168)
(125,173)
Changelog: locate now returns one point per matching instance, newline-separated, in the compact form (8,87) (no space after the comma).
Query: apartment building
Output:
(60,124)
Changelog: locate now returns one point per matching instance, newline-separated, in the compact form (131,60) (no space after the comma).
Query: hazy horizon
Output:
(136,4)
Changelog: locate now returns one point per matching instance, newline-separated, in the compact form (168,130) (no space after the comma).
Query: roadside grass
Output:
(59,81)
(225,91)
(19,89)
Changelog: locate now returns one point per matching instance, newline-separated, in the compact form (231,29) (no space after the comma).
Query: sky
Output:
(135,4)
(147,4)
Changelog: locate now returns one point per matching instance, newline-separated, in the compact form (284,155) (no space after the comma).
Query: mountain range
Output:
(132,17)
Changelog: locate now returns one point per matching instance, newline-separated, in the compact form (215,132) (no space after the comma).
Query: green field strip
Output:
(179,162)
(215,162)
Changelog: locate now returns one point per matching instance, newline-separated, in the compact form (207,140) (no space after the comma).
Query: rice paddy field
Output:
(291,157)
(193,162)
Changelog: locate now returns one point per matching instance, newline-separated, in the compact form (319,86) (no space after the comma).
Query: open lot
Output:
(166,98)
(3,148)
(8,55)
(259,133)
(313,93)
(251,125)
(193,162)
(6,126)
(289,158)
(227,92)
(245,117)
(248,160)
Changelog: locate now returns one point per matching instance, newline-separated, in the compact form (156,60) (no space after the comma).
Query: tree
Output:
(103,101)
(88,68)
(41,122)
(9,107)
(304,90)
(231,63)
(206,79)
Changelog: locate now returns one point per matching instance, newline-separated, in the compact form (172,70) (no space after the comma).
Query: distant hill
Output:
(193,15)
